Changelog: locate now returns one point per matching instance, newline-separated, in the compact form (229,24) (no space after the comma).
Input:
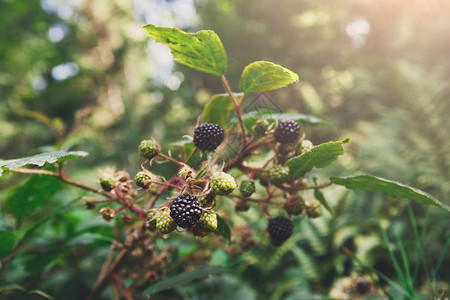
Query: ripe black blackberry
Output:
(287,131)
(185,210)
(280,229)
(363,286)
(208,136)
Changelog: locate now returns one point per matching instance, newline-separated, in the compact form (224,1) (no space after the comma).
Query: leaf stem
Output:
(191,155)
(237,107)
(315,187)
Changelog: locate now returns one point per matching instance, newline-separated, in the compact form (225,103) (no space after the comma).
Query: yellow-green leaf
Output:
(262,76)
(202,51)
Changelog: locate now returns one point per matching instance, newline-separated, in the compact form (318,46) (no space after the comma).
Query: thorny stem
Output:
(103,278)
(236,162)
(170,158)
(64,178)
(237,107)
(125,291)
(161,191)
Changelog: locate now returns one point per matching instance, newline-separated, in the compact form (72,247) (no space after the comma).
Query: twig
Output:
(313,187)
(103,278)
(126,292)
(171,159)
(237,160)
(64,178)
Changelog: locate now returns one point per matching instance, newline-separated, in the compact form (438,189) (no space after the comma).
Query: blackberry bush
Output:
(283,169)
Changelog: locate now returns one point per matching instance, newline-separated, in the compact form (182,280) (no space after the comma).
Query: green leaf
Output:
(387,187)
(321,198)
(250,118)
(7,239)
(24,199)
(182,278)
(202,51)
(222,228)
(262,76)
(188,148)
(308,264)
(320,156)
(218,109)
(39,159)
(36,262)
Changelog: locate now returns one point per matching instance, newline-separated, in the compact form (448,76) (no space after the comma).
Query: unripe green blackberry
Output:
(280,229)
(305,146)
(107,181)
(294,205)
(142,179)
(261,126)
(287,132)
(313,208)
(222,183)
(208,221)
(247,188)
(279,174)
(148,148)
(186,210)
(164,222)
(208,136)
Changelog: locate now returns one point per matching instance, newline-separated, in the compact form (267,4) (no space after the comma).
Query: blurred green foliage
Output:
(82,76)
